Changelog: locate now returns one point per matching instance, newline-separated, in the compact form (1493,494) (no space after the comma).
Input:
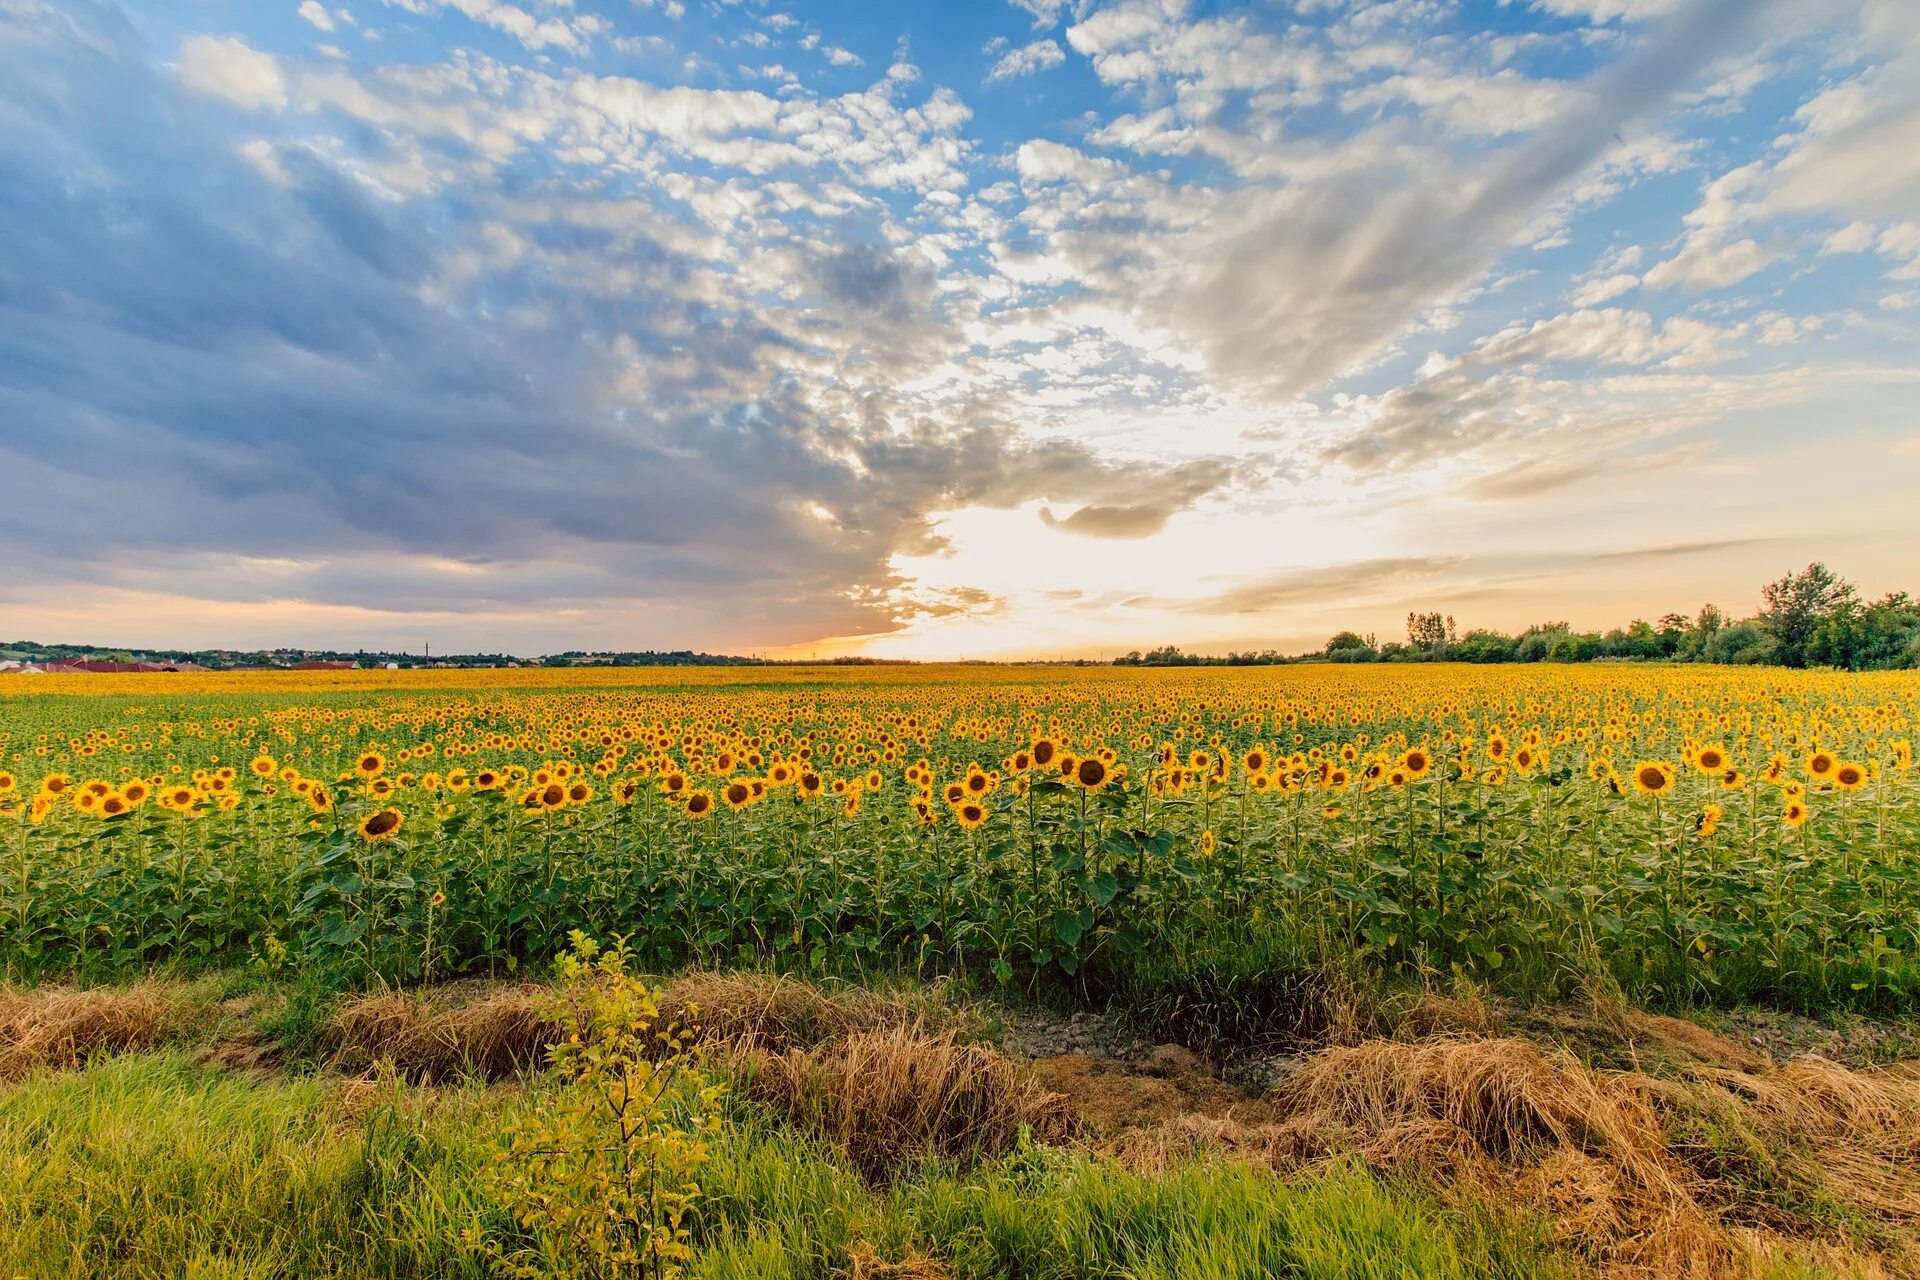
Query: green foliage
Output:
(148,1167)
(602,1170)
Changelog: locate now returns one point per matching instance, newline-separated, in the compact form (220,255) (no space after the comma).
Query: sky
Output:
(1005,328)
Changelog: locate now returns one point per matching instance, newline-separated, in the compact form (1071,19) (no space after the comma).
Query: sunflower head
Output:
(1653,777)
(380,824)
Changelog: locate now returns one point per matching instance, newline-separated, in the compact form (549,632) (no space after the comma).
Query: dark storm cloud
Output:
(250,378)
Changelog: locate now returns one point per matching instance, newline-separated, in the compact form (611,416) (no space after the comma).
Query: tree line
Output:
(1812,618)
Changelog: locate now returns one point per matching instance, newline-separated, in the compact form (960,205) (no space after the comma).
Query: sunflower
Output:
(263,766)
(1849,776)
(113,805)
(485,780)
(698,804)
(319,800)
(1043,751)
(737,794)
(1821,764)
(972,815)
(579,793)
(809,783)
(135,792)
(1795,814)
(1091,773)
(1653,777)
(1416,764)
(369,764)
(1207,844)
(380,824)
(6,782)
(1708,821)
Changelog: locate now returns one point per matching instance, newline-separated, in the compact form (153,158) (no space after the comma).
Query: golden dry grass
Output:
(1724,1159)
(495,1032)
(61,1027)
(894,1094)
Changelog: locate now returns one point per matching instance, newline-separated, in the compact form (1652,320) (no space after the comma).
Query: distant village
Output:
(29,658)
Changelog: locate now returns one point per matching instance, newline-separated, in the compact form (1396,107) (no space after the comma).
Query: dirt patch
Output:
(1111,1096)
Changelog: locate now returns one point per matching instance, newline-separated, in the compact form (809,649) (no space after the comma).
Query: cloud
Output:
(1604,289)
(1046,13)
(316,14)
(534,33)
(253,382)
(1350,584)
(1609,10)
(1041,55)
(1703,265)
(1283,289)
(224,67)
(1509,405)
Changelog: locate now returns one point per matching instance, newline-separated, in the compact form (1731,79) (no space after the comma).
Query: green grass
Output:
(148,1165)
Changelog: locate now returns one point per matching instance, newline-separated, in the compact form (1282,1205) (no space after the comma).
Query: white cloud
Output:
(1609,10)
(1604,288)
(1705,264)
(224,67)
(1041,55)
(1045,12)
(534,33)
(316,13)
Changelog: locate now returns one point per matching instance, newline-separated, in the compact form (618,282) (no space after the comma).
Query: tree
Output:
(1871,637)
(1429,631)
(1347,640)
(1797,604)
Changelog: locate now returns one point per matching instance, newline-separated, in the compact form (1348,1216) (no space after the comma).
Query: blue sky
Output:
(1057,326)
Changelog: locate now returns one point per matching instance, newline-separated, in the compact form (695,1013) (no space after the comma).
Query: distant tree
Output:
(1575,647)
(1429,632)
(1536,642)
(1347,640)
(1797,604)
(1868,637)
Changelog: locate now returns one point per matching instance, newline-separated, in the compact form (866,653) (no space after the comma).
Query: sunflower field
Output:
(1700,835)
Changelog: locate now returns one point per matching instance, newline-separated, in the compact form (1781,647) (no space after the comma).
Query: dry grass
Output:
(866,1071)
(1698,1172)
(495,1032)
(864,1262)
(61,1027)
(896,1094)
(455,1031)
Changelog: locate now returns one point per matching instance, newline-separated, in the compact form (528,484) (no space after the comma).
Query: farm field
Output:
(1468,970)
